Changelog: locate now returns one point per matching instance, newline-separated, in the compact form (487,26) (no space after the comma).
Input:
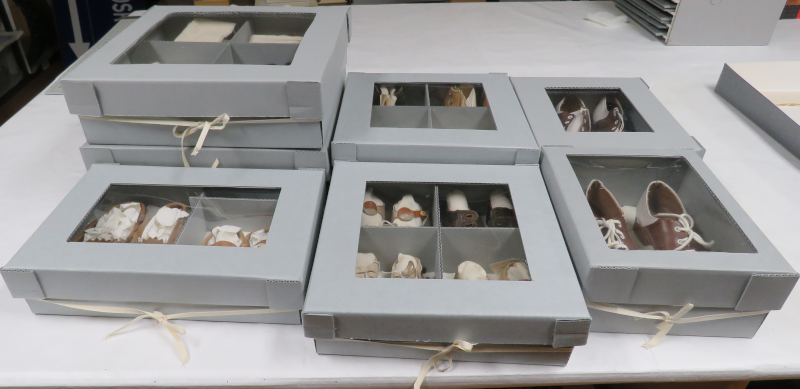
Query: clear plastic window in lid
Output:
(183,215)
(436,106)
(240,39)
(440,231)
(656,203)
(596,110)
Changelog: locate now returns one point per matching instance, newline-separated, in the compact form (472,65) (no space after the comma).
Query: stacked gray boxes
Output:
(427,143)
(137,94)
(706,23)
(57,265)
(531,322)
(736,283)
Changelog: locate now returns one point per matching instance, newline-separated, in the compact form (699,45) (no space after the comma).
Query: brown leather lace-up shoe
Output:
(609,217)
(662,221)
(607,116)
(573,114)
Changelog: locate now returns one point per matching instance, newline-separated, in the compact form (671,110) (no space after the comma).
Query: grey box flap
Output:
(319,326)
(22,283)
(766,291)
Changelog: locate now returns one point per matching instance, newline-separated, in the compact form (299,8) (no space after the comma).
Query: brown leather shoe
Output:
(458,213)
(609,217)
(573,114)
(662,221)
(607,116)
(501,211)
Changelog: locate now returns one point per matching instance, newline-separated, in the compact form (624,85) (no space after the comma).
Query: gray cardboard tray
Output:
(423,130)
(143,72)
(51,266)
(240,158)
(743,270)
(648,124)
(548,311)
(744,86)
(543,356)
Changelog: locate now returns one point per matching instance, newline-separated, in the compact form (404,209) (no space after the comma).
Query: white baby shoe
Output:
(374,211)
(512,270)
(407,266)
(228,236)
(164,226)
(367,265)
(408,213)
(469,270)
(116,225)
(257,238)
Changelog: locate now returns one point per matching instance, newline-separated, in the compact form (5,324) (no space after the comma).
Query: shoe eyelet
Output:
(569,117)
(676,229)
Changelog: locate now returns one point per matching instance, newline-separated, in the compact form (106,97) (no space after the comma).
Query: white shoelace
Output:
(614,234)
(687,226)
(622,122)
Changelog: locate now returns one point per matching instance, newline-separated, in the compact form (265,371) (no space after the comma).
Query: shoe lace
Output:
(687,225)
(613,234)
(622,122)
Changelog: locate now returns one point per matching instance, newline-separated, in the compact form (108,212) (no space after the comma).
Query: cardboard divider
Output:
(591,97)
(628,178)
(158,52)
(249,214)
(400,117)
(263,53)
(466,118)
(387,243)
(393,192)
(477,198)
(483,246)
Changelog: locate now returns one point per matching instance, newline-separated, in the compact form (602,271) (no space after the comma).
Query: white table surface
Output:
(41,163)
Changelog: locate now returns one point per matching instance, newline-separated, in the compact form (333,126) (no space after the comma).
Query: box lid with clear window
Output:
(432,254)
(202,62)
(599,112)
(656,227)
(175,239)
(433,118)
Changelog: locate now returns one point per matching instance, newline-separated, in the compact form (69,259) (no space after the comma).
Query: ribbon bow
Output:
(163,319)
(666,320)
(217,124)
(434,360)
